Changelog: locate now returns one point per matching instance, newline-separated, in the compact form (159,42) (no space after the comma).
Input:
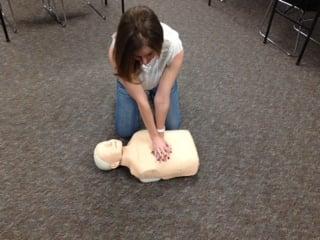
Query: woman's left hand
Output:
(161,149)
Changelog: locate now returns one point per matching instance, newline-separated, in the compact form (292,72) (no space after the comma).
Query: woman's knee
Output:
(125,132)
(173,123)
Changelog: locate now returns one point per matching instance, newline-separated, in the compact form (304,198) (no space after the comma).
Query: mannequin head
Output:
(107,155)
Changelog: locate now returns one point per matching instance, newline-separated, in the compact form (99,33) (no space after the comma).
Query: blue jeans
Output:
(128,119)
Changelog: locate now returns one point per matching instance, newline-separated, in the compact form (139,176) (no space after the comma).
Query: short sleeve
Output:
(172,43)
(175,48)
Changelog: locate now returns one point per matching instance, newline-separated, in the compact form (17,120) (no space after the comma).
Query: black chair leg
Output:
(209,3)
(106,2)
(4,25)
(275,2)
(308,37)
(122,5)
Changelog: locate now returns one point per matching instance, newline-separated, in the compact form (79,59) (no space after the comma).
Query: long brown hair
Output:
(139,26)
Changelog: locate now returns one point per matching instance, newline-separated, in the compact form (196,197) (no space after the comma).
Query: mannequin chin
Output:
(137,156)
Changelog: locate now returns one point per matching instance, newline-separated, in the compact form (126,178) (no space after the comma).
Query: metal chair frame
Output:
(209,2)
(299,22)
(50,7)
(288,8)
(12,24)
(4,24)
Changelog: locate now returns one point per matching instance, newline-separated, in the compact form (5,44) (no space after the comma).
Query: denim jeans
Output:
(128,119)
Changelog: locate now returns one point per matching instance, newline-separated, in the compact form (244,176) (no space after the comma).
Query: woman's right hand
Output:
(161,148)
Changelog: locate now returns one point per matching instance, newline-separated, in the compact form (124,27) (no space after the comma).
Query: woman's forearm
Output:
(161,110)
(162,98)
(147,117)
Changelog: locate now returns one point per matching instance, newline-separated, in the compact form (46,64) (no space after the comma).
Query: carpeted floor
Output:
(254,115)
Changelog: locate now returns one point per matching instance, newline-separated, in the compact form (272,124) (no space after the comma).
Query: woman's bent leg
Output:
(127,113)
(173,120)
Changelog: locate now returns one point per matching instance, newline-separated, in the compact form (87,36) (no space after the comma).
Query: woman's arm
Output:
(136,91)
(162,98)
(111,60)
(138,94)
(161,149)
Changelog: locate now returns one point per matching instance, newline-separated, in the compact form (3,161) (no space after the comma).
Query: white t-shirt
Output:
(151,73)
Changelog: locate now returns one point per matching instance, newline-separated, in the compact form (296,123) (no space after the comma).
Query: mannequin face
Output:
(113,146)
(110,153)
(112,150)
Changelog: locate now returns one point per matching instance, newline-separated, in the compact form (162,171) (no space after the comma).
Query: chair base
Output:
(305,35)
(293,53)
(50,7)
(273,9)
(4,25)
(209,2)
(12,22)
(96,10)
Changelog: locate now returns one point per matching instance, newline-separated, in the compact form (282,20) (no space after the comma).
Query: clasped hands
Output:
(161,149)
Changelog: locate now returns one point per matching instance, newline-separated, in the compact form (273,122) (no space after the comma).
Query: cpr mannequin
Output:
(138,157)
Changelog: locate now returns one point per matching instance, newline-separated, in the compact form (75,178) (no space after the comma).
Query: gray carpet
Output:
(254,115)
